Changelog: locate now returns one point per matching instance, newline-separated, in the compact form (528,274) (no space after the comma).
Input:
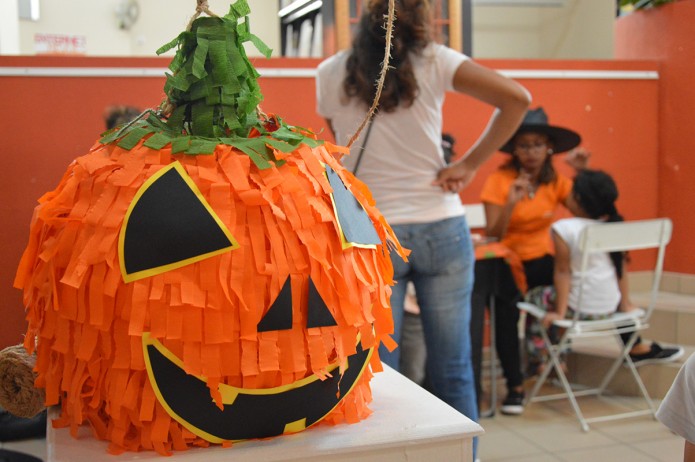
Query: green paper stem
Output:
(212,96)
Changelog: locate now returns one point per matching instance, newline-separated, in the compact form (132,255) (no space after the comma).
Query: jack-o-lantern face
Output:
(203,292)
(169,225)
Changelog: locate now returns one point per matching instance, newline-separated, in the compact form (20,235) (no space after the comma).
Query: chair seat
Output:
(617,319)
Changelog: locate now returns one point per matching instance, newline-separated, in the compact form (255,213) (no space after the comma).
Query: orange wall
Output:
(665,34)
(46,122)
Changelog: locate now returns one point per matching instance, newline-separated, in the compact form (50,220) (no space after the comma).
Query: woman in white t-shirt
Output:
(605,291)
(400,158)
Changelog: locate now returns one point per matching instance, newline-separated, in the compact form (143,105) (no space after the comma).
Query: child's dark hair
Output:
(448,142)
(596,192)
(119,115)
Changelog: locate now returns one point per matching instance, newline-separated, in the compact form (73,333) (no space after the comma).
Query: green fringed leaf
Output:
(109,136)
(312,143)
(133,137)
(180,144)
(199,57)
(285,134)
(202,146)
(227,99)
(201,119)
(280,145)
(264,49)
(243,29)
(178,82)
(257,158)
(217,131)
(239,9)
(155,121)
(235,60)
(176,118)
(231,121)
(199,90)
(176,63)
(213,99)
(222,71)
(157,141)
(168,46)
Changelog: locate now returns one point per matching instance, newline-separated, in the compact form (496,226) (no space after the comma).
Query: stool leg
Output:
(493,360)
(493,357)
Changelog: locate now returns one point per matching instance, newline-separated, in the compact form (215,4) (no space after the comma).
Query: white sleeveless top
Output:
(601,293)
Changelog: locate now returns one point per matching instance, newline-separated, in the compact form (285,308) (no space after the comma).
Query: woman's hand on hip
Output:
(454,177)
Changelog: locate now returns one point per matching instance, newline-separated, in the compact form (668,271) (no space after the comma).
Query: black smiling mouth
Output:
(246,413)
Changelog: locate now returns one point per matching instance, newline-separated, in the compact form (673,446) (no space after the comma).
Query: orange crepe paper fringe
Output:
(88,323)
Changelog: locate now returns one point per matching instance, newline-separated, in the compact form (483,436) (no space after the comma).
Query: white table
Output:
(408,424)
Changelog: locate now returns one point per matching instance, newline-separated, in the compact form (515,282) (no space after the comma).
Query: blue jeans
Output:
(441,267)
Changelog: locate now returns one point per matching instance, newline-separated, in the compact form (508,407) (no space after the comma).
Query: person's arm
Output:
(562,279)
(625,302)
(510,100)
(497,219)
(578,158)
(497,216)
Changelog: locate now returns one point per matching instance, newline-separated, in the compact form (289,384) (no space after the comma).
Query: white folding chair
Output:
(605,237)
(475,216)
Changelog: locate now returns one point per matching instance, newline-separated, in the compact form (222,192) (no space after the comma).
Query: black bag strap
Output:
(363,147)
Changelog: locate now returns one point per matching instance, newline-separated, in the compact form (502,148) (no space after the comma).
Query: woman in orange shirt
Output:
(520,201)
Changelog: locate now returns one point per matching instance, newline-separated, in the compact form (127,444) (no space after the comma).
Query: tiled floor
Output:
(550,432)
(547,432)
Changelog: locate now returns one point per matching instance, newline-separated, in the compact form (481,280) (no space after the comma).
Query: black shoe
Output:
(657,354)
(513,404)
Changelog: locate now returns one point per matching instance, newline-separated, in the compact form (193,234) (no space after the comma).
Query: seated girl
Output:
(592,200)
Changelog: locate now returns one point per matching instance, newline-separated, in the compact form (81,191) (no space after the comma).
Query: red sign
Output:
(60,44)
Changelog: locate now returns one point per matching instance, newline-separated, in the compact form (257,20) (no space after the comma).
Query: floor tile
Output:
(595,406)
(666,450)
(605,453)
(636,430)
(500,444)
(536,458)
(561,435)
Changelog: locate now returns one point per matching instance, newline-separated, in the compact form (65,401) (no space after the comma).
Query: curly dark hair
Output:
(118,115)
(410,35)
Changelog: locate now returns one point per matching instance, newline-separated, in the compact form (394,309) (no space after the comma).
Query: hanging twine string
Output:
(203,7)
(382,74)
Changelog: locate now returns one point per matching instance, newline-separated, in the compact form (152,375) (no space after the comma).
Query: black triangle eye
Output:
(318,314)
(279,316)
(169,224)
(356,226)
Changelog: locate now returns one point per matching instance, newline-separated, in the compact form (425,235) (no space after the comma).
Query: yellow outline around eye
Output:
(129,277)
(230,393)
(343,240)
